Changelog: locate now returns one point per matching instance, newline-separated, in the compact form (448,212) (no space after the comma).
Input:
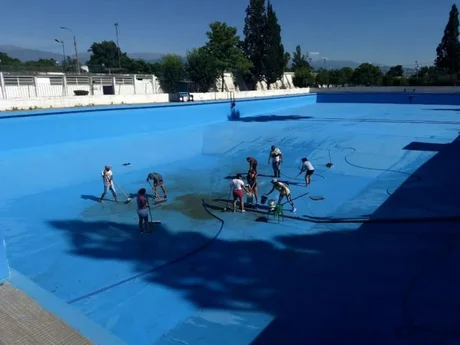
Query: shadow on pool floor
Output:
(270,118)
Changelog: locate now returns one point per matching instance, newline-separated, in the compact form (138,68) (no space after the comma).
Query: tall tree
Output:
(202,69)
(367,74)
(224,45)
(395,71)
(172,72)
(448,51)
(346,74)
(322,77)
(106,53)
(254,39)
(274,58)
(303,77)
(299,60)
(287,58)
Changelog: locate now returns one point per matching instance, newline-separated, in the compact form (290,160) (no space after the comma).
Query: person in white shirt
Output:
(308,168)
(276,157)
(107,178)
(237,186)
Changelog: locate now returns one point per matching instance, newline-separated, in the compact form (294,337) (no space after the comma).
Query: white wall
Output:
(98,100)
(430,89)
(40,85)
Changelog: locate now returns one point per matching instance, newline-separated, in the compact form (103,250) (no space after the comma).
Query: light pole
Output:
(118,46)
(61,42)
(77,64)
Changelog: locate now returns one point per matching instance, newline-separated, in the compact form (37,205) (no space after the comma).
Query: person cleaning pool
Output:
(252,183)
(309,170)
(237,186)
(143,210)
(157,181)
(284,192)
(252,163)
(107,178)
(276,157)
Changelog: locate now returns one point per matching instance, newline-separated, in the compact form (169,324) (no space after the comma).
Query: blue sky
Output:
(389,32)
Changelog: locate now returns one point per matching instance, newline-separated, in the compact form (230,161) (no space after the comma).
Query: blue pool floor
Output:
(211,277)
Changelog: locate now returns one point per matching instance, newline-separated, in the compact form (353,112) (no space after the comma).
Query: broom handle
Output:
(150,211)
(126,196)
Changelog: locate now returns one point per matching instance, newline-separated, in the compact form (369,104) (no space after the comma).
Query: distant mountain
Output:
(334,64)
(337,64)
(25,54)
(148,57)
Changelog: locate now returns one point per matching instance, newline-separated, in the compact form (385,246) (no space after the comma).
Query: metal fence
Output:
(20,85)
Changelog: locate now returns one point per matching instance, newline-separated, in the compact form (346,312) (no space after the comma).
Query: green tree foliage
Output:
(105,54)
(367,74)
(287,58)
(395,71)
(335,77)
(347,75)
(448,51)
(202,69)
(224,45)
(7,60)
(303,77)
(275,60)
(432,76)
(299,61)
(340,77)
(253,44)
(172,72)
(322,77)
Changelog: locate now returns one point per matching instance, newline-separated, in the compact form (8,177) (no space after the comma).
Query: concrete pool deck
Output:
(211,277)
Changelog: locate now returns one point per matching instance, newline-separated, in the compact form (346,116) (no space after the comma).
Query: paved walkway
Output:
(24,322)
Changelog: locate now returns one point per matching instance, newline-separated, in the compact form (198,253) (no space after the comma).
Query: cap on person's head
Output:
(273,147)
(108,167)
(274,180)
(304,159)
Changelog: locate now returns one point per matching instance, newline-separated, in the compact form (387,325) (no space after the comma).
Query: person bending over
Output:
(252,163)
(237,186)
(309,170)
(252,182)
(284,192)
(107,178)
(276,157)
(157,181)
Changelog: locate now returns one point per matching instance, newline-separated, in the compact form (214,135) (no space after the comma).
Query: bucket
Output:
(263,200)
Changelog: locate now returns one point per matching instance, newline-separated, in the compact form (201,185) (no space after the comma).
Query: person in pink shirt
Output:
(143,210)
(237,186)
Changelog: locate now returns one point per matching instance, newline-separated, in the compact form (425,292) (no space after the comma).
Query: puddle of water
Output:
(189,205)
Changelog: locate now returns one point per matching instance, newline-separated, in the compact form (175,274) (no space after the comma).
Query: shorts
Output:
(237,194)
(143,214)
(310,172)
(157,182)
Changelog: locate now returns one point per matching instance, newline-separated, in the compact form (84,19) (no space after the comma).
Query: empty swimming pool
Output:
(369,255)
